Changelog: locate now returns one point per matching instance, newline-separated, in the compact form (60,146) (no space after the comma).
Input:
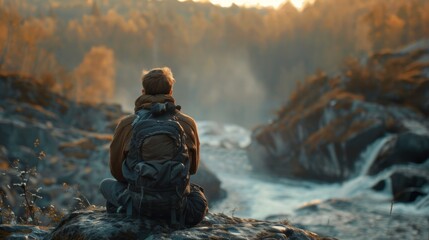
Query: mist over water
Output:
(226,92)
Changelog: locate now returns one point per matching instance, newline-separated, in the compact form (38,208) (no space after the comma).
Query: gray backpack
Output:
(162,180)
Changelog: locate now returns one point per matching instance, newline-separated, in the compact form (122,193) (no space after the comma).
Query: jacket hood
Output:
(146,101)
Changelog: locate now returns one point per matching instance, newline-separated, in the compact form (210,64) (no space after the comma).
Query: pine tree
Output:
(95,10)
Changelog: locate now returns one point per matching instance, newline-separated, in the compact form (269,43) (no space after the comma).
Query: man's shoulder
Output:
(184,118)
(126,121)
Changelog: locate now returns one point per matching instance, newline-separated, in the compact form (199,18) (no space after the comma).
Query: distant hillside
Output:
(250,57)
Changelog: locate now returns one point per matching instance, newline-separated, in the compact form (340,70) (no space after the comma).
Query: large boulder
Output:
(22,232)
(321,133)
(96,224)
(210,182)
(407,148)
(322,145)
(406,184)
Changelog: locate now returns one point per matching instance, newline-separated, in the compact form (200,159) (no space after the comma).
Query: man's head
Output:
(158,81)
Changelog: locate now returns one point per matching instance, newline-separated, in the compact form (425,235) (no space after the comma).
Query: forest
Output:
(234,65)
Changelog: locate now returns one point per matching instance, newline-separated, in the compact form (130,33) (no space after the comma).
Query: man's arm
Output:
(195,152)
(192,141)
(119,147)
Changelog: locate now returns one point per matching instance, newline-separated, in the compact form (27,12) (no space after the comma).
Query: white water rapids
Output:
(257,196)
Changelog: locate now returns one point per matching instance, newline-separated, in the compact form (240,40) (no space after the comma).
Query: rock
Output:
(408,185)
(30,101)
(415,146)
(328,153)
(96,224)
(18,232)
(23,89)
(422,99)
(16,133)
(379,186)
(328,123)
(211,184)
(408,148)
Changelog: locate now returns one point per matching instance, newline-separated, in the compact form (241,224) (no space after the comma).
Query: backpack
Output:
(162,182)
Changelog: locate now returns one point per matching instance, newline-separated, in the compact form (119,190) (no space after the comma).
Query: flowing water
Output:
(348,210)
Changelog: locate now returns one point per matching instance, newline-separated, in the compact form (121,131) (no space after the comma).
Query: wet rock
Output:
(99,225)
(379,186)
(408,185)
(422,99)
(414,145)
(22,232)
(408,148)
(329,153)
(327,124)
(211,184)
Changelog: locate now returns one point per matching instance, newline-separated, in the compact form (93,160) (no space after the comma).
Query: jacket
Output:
(119,146)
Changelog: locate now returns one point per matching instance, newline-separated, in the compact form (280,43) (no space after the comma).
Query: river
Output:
(348,210)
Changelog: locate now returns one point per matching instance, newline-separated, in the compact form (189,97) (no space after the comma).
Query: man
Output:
(157,90)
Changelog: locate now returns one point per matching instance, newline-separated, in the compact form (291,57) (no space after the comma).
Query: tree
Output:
(95,76)
(95,10)
(9,26)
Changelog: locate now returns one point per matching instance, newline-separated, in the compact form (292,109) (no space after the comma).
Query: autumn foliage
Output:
(214,52)
(95,76)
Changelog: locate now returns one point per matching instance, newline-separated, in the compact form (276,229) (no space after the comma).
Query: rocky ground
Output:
(97,224)
(67,143)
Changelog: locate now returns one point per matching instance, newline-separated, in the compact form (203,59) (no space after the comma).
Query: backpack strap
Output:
(182,212)
(177,223)
(181,208)
(141,114)
(141,199)
(173,219)
(156,110)
(129,206)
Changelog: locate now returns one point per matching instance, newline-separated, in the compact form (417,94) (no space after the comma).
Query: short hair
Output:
(158,81)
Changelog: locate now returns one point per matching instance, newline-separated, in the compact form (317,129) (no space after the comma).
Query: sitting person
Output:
(152,155)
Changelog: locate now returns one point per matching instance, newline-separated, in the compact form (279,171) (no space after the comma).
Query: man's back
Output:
(120,143)
(157,164)
(134,176)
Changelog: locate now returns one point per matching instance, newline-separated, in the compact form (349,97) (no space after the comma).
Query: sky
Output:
(265,3)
